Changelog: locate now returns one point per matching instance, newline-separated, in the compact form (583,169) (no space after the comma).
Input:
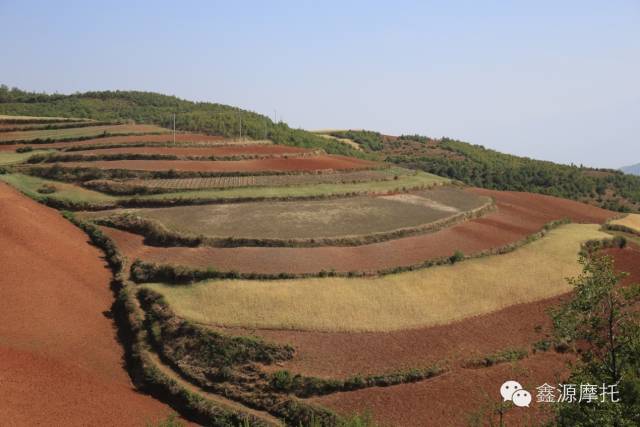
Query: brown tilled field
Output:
(220,151)
(317,163)
(61,361)
(518,215)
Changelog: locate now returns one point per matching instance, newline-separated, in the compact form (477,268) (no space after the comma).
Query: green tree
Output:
(601,323)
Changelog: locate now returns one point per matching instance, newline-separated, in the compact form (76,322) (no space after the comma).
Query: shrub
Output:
(456,257)
(47,189)
(26,149)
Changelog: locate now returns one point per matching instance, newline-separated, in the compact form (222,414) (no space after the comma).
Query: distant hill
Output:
(633,169)
(155,108)
(482,167)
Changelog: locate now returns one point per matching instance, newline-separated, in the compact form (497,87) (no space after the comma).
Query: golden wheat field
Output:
(631,221)
(432,296)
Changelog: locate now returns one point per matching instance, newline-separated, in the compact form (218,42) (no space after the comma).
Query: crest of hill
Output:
(633,169)
(158,109)
(483,167)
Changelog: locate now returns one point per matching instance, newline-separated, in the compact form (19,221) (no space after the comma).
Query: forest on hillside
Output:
(482,167)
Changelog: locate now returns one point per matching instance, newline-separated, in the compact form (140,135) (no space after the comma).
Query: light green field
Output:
(432,296)
(78,132)
(10,157)
(408,181)
(29,185)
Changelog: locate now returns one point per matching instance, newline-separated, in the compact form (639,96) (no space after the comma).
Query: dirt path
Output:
(230,405)
(60,363)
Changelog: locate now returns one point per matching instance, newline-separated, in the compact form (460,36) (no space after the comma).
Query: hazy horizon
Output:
(549,81)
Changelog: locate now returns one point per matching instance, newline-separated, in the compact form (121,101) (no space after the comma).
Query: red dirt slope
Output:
(60,363)
(518,215)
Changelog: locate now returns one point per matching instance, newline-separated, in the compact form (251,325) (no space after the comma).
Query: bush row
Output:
(144,372)
(620,227)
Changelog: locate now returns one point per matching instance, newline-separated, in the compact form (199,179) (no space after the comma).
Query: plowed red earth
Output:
(60,363)
(229,150)
(182,137)
(453,398)
(518,215)
(260,165)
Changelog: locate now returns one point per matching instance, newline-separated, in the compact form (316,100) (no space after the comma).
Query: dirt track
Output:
(518,215)
(278,164)
(60,361)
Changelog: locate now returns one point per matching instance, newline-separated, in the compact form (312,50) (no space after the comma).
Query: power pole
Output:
(240,126)
(174,128)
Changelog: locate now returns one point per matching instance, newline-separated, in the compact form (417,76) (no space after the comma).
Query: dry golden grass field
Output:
(631,221)
(432,296)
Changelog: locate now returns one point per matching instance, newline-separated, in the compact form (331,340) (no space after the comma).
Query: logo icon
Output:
(513,391)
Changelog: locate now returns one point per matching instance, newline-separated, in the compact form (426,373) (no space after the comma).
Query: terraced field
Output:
(78,132)
(269,181)
(518,216)
(631,221)
(394,285)
(358,218)
(317,163)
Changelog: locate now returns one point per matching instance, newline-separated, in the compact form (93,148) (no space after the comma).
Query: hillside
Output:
(482,167)
(633,169)
(154,108)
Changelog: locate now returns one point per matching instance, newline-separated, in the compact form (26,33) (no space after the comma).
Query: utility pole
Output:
(174,128)
(275,116)
(240,126)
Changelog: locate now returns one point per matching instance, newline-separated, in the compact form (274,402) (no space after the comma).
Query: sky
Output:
(553,80)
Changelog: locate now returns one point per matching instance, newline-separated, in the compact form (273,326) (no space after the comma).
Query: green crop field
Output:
(9,158)
(69,192)
(78,132)
(432,296)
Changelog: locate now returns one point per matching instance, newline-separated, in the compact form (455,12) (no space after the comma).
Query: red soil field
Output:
(518,215)
(452,397)
(181,137)
(322,162)
(456,398)
(60,361)
(228,150)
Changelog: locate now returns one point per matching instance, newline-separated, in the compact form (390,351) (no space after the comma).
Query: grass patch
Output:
(10,158)
(433,296)
(55,134)
(30,185)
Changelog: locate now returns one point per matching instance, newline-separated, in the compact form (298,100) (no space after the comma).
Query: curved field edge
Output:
(414,299)
(157,233)
(629,223)
(74,197)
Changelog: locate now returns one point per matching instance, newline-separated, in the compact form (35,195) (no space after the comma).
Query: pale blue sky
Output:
(556,80)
